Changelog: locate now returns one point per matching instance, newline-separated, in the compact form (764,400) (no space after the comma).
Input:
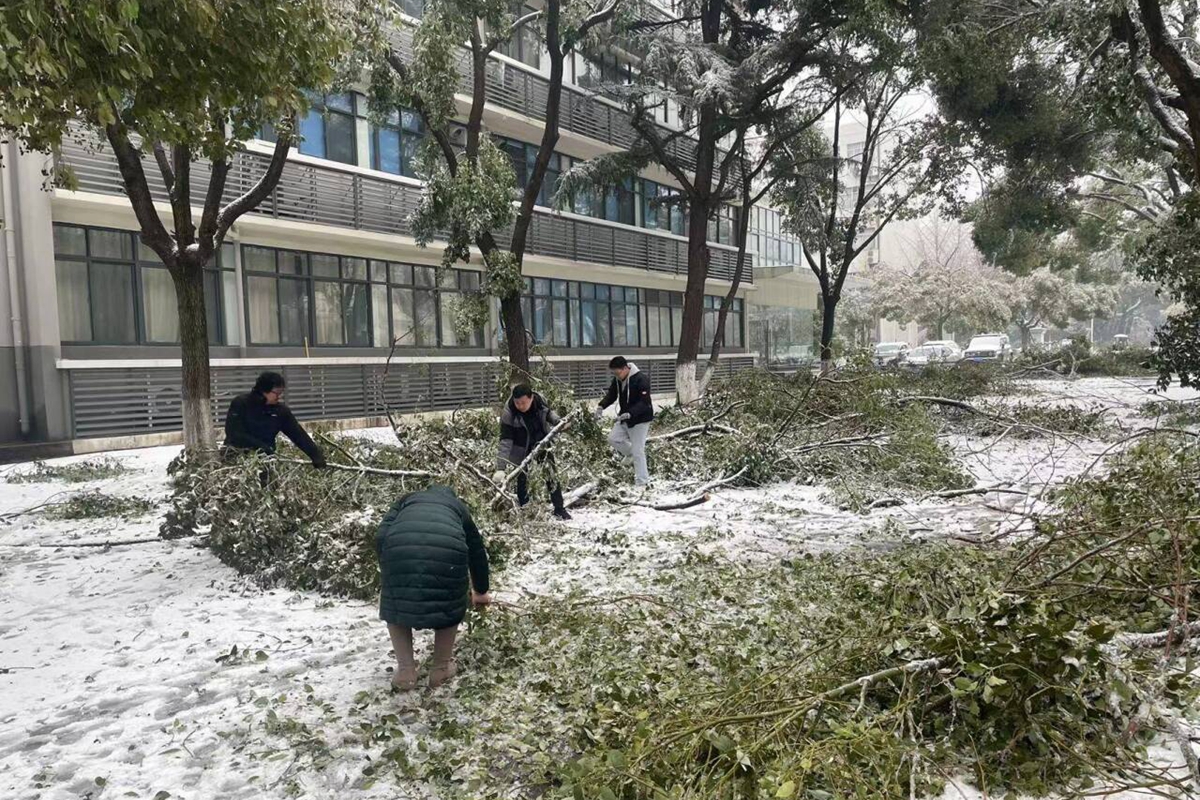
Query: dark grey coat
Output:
(430,553)
(516,440)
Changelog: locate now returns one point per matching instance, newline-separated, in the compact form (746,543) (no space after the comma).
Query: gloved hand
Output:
(599,412)
(623,417)
(498,476)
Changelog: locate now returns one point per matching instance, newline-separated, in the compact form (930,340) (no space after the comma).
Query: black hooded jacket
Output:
(252,424)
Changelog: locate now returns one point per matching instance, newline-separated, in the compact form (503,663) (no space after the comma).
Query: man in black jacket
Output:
(525,421)
(630,390)
(254,420)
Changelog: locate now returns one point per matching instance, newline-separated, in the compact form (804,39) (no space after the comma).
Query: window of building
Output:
(722,228)
(328,129)
(664,317)
(413,8)
(593,72)
(733,322)
(657,214)
(526,45)
(327,300)
(395,145)
(114,290)
(576,314)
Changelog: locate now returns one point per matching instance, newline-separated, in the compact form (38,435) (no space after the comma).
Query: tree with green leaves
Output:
(734,71)
(941,281)
(880,161)
(470,190)
(1075,104)
(178,81)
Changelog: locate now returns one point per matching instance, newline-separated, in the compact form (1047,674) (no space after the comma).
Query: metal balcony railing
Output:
(526,93)
(329,195)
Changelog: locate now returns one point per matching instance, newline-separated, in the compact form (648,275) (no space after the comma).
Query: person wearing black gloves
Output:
(254,420)
(526,420)
(630,390)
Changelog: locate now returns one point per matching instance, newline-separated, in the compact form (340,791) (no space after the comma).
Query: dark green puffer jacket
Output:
(427,545)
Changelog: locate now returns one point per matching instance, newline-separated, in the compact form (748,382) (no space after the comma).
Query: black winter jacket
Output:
(429,548)
(516,438)
(632,396)
(252,424)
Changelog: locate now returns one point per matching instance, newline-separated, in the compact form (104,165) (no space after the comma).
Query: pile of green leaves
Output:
(290,525)
(739,679)
(96,504)
(74,472)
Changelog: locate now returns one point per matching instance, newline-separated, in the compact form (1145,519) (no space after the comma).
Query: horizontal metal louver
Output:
(127,401)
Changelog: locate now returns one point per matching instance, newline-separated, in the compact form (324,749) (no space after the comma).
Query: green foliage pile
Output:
(95,504)
(75,472)
(1081,359)
(287,524)
(1172,413)
(743,680)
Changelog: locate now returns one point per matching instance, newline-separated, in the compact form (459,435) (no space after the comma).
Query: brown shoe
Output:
(441,673)
(405,680)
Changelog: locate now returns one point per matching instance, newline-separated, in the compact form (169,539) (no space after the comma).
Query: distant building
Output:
(320,280)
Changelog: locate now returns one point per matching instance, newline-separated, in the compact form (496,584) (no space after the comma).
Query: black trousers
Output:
(552,484)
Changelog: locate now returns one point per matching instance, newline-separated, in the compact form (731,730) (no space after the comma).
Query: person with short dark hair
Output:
(630,390)
(254,420)
(525,421)
(430,554)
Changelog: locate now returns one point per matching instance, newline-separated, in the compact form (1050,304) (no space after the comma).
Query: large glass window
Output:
(657,213)
(770,240)
(414,8)
(664,317)
(328,129)
(327,300)
(114,290)
(722,228)
(526,45)
(576,314)
(395,145)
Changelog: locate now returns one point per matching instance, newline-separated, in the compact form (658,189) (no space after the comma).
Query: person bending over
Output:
(430,554)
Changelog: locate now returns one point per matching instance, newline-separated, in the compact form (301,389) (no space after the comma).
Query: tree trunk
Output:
(941,328)
(193,342)
(687,385)
(513,320)
(1025,335)
(828,308)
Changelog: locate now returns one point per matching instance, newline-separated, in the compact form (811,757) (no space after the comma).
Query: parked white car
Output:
(989,347)
(953,352)
(932,354)
(890,354)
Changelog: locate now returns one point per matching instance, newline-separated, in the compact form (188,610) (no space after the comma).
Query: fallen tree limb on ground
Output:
(707,427)
(391,473)
(889,502)
(701,495)
(579,494)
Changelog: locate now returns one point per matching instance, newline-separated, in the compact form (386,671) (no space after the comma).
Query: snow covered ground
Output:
(144,669)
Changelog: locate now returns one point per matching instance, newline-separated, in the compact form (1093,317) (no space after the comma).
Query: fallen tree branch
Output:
(701,495)
(1145,641)
(112,543)
(869,438)
(888,502)
(579,494)
(391,473)
(707,427)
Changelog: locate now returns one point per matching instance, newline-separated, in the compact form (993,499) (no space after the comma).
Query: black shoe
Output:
(562,513)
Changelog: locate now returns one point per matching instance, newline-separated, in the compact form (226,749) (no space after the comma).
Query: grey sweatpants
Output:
(630,441)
